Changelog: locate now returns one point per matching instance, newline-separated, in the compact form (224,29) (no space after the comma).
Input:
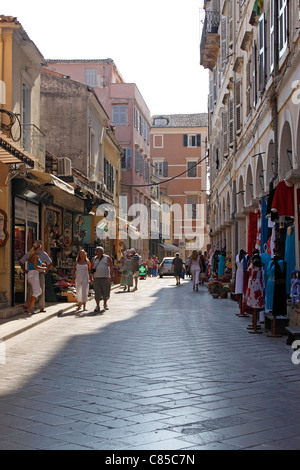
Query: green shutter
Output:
(198,140)
(185,140)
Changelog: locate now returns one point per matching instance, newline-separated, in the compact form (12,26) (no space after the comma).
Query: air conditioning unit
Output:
(64,167)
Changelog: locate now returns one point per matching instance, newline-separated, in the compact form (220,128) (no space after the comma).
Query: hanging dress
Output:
(239,275)
(255,292)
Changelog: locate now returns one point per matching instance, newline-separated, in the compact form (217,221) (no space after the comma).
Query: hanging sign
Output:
(3,228)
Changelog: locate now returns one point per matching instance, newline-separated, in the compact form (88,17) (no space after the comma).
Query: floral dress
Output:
(255,291)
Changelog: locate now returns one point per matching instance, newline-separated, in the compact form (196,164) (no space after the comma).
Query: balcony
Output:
(210,40)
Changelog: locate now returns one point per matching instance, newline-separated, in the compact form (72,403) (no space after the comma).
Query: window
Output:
(137,161)
(192,140)
(254,74)
(120,115)
(271,35)
(90,77)
(161,169)
(282,26)
(192,207)
(163,122)
(126,158)
(262,52)
(192,169)
(238,104)
(108,175)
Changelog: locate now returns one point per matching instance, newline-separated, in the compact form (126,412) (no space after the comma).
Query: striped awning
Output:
(11,152)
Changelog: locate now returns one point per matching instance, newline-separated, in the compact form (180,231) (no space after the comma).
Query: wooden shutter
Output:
(254,73)
(198,140)
(225,132)
(272,50)
(128,158)
(185,140)
(248,88)
(231,120)
(262,52)
(224,47)
(238,105)
(165,169)
(137,161)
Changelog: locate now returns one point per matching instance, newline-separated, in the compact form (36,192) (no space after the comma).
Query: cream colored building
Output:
(251,49)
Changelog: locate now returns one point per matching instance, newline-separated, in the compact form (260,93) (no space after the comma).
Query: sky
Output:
(154,44)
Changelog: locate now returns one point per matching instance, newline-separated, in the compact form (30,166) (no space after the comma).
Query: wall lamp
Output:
(251,188)
(290,156)
(261,180)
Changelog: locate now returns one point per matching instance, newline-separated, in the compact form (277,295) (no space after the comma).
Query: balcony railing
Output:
(210,39)
(34,142)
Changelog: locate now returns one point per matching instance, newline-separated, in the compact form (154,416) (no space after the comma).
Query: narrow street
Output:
(164,368)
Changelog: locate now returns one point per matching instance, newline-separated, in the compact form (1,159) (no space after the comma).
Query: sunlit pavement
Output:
(165,368)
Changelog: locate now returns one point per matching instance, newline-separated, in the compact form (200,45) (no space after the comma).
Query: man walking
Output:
(102,271)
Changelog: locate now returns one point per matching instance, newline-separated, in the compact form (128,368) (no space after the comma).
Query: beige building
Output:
(178,151)
(251,49)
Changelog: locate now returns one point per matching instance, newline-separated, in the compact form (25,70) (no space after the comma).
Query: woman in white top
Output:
(194,266)
(81,277)
(239,277)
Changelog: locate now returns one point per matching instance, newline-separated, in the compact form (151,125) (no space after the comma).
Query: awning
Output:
(51,180)
(169,247)
(62,184)
(11,152)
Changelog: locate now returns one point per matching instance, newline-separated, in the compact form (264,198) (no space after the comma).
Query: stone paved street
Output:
(164,368)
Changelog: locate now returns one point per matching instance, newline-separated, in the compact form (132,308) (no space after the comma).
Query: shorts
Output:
(101,288)
(136,274)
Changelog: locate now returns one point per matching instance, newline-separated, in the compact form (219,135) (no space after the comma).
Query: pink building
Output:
(130,115)
(178,151)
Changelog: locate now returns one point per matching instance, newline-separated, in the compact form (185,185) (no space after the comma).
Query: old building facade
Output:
(178,150)
(251,49)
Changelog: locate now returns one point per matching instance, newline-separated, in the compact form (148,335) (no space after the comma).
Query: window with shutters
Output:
(215,84)
(126,158)
(90,77)
(231,121)
(120,115)
(192,207)
(211,93)
(271,48)
(282,26)
(137,161)
(254,73)
(238,105)
(161,169)
(141,164)
(248,88)
(224,42)
(225,133)
(192,169)
(192,140)
(262,52)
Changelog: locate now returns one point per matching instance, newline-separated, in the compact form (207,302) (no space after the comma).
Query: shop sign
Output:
(32,213)
(20,206)
(3,228)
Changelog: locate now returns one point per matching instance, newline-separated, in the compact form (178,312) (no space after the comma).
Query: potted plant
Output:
(215,290)
(224,291)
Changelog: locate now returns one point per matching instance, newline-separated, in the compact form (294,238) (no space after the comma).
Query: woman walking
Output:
(35,266)
(194,267)
(127,275)
(81,277)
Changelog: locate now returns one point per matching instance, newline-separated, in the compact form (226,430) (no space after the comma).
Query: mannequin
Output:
(239,278)
(255,293)
(289,256)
